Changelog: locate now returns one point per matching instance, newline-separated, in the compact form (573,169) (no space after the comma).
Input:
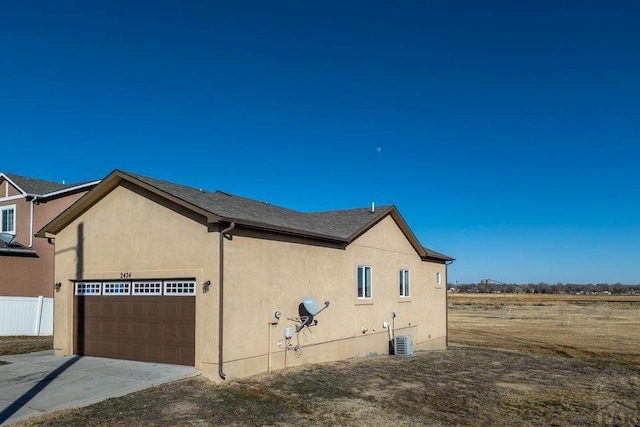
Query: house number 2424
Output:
(125,275)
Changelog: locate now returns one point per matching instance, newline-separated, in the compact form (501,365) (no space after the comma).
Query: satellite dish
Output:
(307,310)
(311,305)
(7,238)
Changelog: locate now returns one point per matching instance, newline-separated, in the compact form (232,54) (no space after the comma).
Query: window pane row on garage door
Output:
(147,320)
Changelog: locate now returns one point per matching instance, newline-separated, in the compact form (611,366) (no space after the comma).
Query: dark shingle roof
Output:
(37,186)
(433,254)
(339,225)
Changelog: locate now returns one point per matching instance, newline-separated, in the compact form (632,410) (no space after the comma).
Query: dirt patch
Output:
(586,327)
(555,362)
(462,386)
(24,344)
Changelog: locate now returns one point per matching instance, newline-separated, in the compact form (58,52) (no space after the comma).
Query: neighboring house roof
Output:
(15,248)
(341,226)
(41,188)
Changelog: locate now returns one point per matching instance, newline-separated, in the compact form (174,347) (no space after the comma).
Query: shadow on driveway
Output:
(33,391)
(38,383)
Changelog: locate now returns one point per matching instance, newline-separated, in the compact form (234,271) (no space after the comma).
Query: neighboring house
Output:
(151,270)
(26,263)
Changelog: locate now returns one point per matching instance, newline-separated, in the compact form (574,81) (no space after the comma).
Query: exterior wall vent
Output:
(403,345)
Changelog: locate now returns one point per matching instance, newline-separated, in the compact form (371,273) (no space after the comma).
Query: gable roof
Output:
(340,226)
(41,188)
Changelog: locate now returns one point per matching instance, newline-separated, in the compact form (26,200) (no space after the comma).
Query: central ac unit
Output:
(403,345)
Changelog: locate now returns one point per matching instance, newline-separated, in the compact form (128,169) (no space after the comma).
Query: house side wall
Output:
(30,276)
(263,275)
(132,231)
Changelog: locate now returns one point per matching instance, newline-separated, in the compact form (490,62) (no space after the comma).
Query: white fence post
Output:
(36,331)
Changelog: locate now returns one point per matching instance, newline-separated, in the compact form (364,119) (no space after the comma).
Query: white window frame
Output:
(405,281)
(88,288)
(180,288)
(438,278)
(146,287)
(4,209)
(361,273)
(116,288)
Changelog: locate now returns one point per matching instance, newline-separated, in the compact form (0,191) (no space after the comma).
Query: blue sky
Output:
(506,133)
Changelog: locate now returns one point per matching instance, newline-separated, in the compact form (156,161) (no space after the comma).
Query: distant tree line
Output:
(546,288)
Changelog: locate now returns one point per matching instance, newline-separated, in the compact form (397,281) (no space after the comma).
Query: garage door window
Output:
(88,288)
(138,288)
(116,288)
(179,287)
(147,287)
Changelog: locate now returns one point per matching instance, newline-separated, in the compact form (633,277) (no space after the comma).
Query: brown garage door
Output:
(153,325)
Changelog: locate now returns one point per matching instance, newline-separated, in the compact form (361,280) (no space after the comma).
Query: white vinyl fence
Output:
(26,316)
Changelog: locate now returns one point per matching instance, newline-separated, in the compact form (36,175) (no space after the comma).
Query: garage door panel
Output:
(92,308)
(123,329)
(154,308)
(123,350)
(108,329)
(188,310)
(154,330)
(136,327)
(188,334)
(172,333)
(171,310)
(138,330)
(108,309)
(123,308)
(138,309)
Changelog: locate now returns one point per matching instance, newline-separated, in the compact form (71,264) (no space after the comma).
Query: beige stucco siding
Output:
(264,275)
(128,233)
(136,232)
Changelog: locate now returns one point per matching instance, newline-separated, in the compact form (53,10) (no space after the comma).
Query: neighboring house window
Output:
(404,283)
(438,280)
(364,281)
(8,219)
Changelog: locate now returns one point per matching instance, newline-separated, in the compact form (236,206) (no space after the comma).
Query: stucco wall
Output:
(132,231)
(262,275)
(127,232)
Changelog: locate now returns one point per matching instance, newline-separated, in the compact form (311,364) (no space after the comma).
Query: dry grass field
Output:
(603,327)
(513,360)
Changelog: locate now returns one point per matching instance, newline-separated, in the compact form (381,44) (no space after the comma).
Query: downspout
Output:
(31,223)
(223,234)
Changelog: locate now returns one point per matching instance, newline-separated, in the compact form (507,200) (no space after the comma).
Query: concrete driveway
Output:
(37,383)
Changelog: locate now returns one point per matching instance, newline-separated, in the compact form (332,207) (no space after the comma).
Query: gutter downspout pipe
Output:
(32,201)
(223,234)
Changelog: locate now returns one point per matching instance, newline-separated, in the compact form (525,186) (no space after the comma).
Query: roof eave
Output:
(103,188)
(24,193)
(18,252)
(67,190)
(284,230)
